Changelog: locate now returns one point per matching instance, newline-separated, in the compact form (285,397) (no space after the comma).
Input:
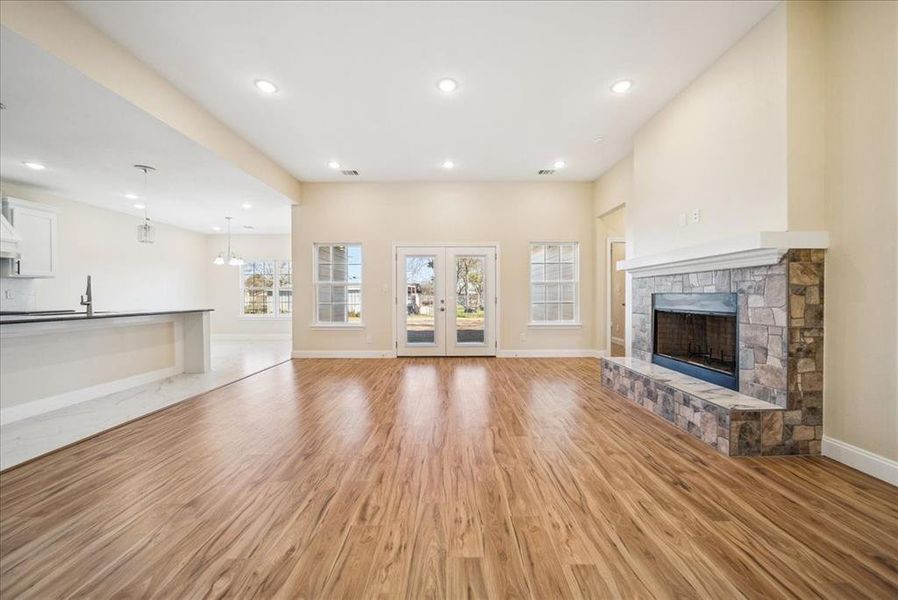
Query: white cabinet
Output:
(36,225)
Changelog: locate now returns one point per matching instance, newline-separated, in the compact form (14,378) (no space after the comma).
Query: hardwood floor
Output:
(423,478)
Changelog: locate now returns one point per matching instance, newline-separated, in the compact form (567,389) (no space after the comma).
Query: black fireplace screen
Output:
(697,334)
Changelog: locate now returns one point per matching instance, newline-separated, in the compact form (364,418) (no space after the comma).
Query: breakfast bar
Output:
(54,360)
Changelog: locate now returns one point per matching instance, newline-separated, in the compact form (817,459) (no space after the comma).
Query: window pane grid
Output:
(338,278)
(553,282)
(266,288)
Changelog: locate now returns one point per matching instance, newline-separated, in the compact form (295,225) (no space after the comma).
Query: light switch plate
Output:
(682,219)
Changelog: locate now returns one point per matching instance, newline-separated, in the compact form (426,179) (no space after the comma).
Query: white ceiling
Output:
(357,80)
(89,138)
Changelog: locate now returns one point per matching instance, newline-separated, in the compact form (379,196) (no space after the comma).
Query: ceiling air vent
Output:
(546,172)
(350,172)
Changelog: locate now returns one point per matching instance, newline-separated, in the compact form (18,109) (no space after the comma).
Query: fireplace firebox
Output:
(697,334)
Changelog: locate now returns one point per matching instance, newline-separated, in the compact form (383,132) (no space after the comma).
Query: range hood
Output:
(10,241)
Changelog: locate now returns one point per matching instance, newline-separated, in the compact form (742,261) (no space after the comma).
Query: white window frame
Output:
(276,288)
(576,322)
(316,324)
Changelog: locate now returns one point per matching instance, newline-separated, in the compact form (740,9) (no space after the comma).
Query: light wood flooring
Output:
(432,478)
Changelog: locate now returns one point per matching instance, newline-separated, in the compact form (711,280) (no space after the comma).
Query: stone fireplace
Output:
(778,351)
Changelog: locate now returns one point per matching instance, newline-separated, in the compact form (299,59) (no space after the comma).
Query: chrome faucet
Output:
(87,299)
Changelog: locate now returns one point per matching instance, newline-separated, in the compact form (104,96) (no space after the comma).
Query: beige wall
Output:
(719,146)
(377,215)
(805,114)
(860,395)
(614,188)
(223,284)
(127,275)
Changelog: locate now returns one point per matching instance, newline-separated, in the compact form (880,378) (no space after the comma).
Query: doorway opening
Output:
(617,298)
(446,300)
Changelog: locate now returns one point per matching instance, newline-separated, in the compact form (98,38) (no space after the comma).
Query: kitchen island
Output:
(51,361)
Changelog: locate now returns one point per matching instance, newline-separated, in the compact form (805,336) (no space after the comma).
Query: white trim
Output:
(576,282)
(250,337)
(554,325)
(561,353)
(275,291)
(860,459)
(497,288)
(750,250)
(315,283)
(18,412)
(557,353)
(609,242)
(343,354)
(348,326)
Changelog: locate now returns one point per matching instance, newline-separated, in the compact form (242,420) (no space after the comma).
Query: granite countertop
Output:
(46,317)
(708,392)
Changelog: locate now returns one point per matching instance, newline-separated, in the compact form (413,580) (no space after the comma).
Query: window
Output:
(554,279)
(266,288)
(338,283)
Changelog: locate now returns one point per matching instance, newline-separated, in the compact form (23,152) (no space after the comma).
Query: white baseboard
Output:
(250,337)
(344,354)
(860,459)
(557,353)
(18,412)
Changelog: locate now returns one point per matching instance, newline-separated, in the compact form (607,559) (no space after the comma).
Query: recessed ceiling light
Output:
(599,138)
(333,165)
(139,206)
(621,87)
(447,86)
(34,166)
(132,196)
(246,205)
(448,164)
(249,226)
(216,228)
(265,86)
(559,164)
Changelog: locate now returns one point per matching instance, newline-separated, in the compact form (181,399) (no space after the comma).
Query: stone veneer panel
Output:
(780,342)
(703,420)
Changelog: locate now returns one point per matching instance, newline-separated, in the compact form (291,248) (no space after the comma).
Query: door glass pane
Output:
(469,292)
(420,299)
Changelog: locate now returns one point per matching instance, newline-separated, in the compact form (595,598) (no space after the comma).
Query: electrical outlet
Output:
(682,219)
(368,339)
(523,336)
(695,216)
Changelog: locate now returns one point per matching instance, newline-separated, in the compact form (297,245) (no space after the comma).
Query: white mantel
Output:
(755,249)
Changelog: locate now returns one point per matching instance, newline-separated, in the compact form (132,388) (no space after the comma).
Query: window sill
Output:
(263,318)
(553,325)
(349,326)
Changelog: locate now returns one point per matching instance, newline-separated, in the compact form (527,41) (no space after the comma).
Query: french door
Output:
(446,301)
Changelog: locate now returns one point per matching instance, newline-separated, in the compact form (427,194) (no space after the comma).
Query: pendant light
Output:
(146,233)
(232,259)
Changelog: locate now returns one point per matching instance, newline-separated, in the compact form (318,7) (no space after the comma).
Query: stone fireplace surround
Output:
(780,350)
